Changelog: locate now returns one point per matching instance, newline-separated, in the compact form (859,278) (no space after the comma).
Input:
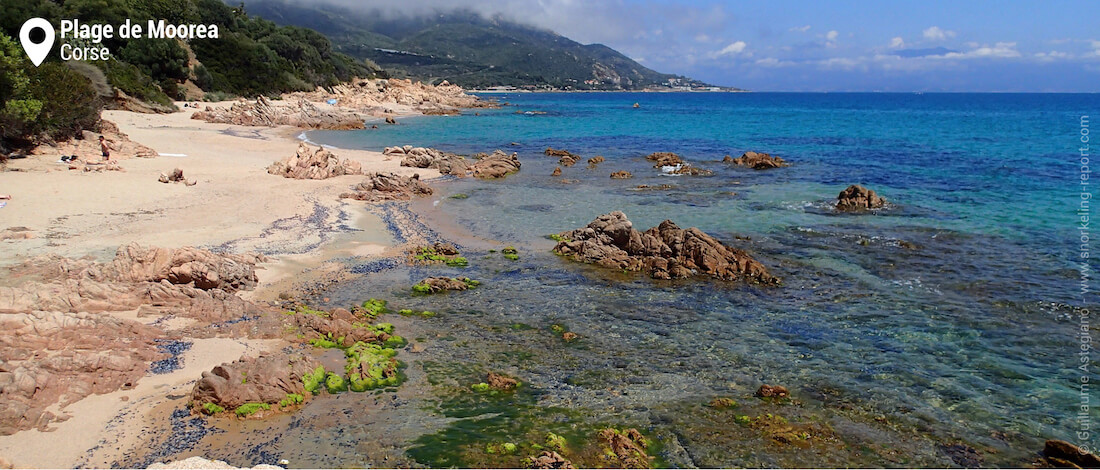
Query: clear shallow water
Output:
(967,338)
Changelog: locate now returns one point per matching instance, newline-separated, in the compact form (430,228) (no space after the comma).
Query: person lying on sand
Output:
(5,197)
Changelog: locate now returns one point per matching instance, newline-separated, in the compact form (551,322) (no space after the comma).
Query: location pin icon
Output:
(37,52)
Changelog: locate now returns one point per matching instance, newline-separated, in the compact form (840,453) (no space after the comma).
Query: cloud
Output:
(800,29)
(734,49)
(1000,50)
(773,62)
(936,34)
(1052,55)
(897,43)
(832,35)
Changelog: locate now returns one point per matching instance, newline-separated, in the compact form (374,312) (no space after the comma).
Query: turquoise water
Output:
(968,338)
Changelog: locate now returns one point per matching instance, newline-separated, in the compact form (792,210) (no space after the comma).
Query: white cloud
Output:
(1000,50)
(773,62)
(736,48)
(1052,55)
(832,35)
(936,34)
(897,43)
(801,29)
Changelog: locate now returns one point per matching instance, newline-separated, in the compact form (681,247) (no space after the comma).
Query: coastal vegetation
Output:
(251,57)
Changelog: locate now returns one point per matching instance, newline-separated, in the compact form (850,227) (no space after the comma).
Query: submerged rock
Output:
(548,459)
(310,164)
(434,285)
(772,391)
(621,175)
(858,198)
(625,449)
(552,152)
(664,252)
(598,159)
(557,171)
(500,382)
(1065,455)
(388,187)
(757,161)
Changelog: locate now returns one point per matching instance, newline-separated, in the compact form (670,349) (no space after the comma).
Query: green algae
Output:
(374,307)
(291,400)
(370,367)
(335,383)
(249,409)
(458,262)
(313,380)
(211,408)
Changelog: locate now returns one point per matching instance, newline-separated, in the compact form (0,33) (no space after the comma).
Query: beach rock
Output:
(51,357)
(264,379)
(420,157)
(314,164)
(598,159)
(621,175)
(858,198)
(200,463)
(500,382)
(567,160)
(388,187)
(61,338)
(557,171)
(757,161)
(1065,455)
(339,325)
(371,94)
(664,252)
(16,233)
(176,176)
(298,113)
(201,269)
(549,459)
(495,165)
(624,449)
(772,391)
(661,159)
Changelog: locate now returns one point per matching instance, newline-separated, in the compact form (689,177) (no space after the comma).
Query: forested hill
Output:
(251,57)
(468,49)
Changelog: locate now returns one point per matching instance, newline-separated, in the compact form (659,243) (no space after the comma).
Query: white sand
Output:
(235,204)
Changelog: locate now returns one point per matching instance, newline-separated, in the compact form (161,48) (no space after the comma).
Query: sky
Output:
(798,45)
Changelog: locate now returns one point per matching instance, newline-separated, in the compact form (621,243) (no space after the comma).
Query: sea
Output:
(944,330)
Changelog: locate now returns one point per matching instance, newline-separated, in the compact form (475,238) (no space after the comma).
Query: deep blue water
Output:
(971,334)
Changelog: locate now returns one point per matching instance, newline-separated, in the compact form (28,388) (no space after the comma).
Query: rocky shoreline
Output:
(75,328)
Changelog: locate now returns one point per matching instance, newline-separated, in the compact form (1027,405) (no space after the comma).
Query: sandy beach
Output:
(236,207)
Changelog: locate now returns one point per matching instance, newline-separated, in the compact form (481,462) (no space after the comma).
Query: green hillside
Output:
(251,57)
(468,49)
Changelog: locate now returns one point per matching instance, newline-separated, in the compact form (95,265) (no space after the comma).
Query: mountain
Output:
(468,49)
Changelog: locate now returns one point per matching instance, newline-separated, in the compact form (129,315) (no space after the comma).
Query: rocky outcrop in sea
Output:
(663,252)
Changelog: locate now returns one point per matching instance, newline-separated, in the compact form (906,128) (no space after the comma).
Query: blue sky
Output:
(797,45)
